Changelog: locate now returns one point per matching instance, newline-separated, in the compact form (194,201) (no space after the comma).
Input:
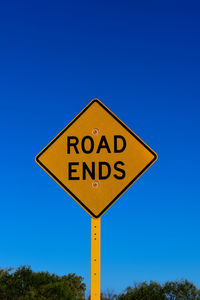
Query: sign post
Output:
(95,258)
(95,159)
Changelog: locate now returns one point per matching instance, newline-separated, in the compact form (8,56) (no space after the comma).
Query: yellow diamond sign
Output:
(96,158)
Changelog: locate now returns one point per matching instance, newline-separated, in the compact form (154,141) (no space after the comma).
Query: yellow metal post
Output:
(95,258)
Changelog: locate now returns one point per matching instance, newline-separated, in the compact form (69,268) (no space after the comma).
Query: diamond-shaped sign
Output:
(96,158)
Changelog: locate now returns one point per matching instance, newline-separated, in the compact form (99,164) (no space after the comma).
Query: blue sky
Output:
(141,59)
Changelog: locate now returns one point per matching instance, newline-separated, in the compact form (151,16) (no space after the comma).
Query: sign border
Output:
(127,186)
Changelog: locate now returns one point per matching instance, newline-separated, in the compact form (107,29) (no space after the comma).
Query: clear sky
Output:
(142,60)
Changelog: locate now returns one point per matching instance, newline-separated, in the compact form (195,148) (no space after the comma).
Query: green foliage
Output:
(144,291)
(181,290)
(24,284)
(174,290)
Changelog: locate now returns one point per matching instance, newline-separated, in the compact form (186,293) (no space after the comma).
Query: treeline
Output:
(25,284)
(171,290)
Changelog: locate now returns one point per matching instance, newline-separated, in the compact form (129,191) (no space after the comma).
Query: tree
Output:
(144,291)
(24,284)
(173,290)
(181,290)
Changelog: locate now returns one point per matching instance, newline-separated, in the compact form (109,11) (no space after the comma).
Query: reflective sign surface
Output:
(96,158)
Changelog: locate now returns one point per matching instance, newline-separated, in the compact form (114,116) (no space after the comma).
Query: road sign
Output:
(96,158)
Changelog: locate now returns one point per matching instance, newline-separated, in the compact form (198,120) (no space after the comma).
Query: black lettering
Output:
(91,144)
(103,144)
(116,149)
(119,169)
(90,172)
(105,176)
(71,143)
(70,170)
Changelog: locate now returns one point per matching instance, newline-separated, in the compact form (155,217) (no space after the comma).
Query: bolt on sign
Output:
(96,158)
